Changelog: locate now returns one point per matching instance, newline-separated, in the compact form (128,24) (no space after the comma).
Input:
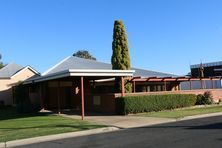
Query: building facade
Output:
(213,69)
(10,75)
(60,86)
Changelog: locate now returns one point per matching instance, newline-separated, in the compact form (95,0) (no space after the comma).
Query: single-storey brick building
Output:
(82,84)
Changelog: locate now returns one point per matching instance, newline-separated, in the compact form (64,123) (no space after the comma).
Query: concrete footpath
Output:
(124,122)
(114,123)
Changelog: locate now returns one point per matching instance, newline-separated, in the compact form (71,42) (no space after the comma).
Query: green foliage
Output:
(23,103)
(19,126)
(2,104)
(120,57)
(1,64)
(21,93)
(22,99)
(148,103)
(180,113)
(200,99)
(84,54)
(128,86)
(204,99)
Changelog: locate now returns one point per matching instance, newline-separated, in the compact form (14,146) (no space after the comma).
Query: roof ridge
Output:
(50,69)
(26,67)
(91,60)
(9,65)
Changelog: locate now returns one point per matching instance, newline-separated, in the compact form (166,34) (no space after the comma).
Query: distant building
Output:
(213,69)
(10,75)
(204,70)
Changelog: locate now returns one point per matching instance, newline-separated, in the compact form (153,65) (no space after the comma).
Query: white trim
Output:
(27,67)
(53,77)
(44,73)
(32,69)
(101,74)
(105,80)
(82,72)
(99,71)
(48,77)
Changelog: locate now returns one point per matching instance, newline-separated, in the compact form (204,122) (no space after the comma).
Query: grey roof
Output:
(9,70)
(80,63)
(77,63)
(149,73)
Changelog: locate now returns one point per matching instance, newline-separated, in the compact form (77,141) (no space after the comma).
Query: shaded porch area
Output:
(76,90)
(76,93)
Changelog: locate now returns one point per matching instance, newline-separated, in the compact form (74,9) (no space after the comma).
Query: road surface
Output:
(197,133)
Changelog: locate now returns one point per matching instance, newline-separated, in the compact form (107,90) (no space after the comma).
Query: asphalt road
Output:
(198,133)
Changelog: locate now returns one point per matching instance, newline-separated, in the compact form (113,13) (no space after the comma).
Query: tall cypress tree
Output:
(121,58)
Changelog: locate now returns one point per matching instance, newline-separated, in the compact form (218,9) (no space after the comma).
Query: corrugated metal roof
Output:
(9,70)
(77,63)
(80,63)
(149,73)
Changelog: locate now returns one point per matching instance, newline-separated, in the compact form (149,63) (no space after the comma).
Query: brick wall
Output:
(104,103)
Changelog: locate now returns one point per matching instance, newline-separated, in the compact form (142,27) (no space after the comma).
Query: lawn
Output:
(15,126)
(180,113)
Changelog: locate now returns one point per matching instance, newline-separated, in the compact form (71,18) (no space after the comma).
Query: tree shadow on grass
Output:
(87,113)
(7,113)
(78,127)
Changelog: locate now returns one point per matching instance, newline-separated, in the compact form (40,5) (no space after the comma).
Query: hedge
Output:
(148,103)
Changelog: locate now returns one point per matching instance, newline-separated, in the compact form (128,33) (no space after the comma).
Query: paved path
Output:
(124,121)
(196,133)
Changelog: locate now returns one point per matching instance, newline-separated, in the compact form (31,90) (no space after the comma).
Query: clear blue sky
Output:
(164,35)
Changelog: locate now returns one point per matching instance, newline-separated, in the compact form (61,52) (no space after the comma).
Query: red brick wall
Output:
(107,103)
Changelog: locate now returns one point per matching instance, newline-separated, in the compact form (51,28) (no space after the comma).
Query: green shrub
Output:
(148,103)
(200,99)
(23,103)
(204,99)
(220,101)
(2,104)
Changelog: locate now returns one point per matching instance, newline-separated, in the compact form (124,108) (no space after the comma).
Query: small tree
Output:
(1,64)
(120,57)
(206,98)
(84,54)
(23,104)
